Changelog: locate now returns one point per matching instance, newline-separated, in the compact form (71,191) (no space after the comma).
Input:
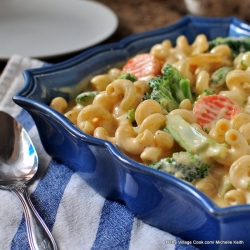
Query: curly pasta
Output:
(222,49)
(238,147)
(94,116)
(102,133)
(202,82)
(72,115)
(163,140)
(59,104)
(235,80)
(183,45)
(239,120)
(125,89)
(235,197)
(219,130)
(184,69)
(239,173)
(100,82)
(131,142)
(245,131)
(151,154)
(146,109)
(153,123)
(104,100)
(208,185)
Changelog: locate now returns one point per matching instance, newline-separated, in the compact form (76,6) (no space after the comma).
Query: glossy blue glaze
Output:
(155,197)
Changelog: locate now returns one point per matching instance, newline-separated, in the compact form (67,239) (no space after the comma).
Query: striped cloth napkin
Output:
(77,216)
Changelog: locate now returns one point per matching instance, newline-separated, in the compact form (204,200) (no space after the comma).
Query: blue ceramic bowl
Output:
(157,198)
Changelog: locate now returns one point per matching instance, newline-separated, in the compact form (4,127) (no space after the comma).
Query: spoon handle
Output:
(39,236)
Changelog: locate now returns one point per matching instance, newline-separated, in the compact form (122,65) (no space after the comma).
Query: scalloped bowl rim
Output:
(207,203)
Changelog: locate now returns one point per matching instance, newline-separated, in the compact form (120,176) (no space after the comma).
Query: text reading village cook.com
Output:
(209,242)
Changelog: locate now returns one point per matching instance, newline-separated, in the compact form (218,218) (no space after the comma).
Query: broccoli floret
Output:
(131,115)
(193,140)
(86,98)
(169,89)
(185,165)
(179,86)
(218,78)
(205,93)
(236,45)
(128,76)
(161,93)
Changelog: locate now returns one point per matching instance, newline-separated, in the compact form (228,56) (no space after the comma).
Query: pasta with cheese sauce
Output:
(211,100)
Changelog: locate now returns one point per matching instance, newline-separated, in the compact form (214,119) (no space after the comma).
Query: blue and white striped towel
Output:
(78,217)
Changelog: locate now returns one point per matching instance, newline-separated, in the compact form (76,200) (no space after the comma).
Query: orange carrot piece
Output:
(142,65)
(209,109)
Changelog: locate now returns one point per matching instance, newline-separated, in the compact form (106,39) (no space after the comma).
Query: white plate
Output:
(47,28)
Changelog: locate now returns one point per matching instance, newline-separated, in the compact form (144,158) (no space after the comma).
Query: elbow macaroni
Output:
(124,89)
(143,138)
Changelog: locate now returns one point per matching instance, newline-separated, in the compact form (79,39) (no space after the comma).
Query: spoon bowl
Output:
(18,165)
(18,157)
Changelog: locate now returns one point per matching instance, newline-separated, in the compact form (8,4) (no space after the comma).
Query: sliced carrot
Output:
(142,65)
(209,109)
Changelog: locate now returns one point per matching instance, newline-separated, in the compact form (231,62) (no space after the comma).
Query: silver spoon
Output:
(18,164)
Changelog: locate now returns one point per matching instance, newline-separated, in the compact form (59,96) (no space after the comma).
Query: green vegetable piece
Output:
(184,165)
(128,76)
(193,140)
(161,93)
(131,115)
(218,78)
(169,89)
(185,87)
(86,98)
(206,92)
(179,86)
